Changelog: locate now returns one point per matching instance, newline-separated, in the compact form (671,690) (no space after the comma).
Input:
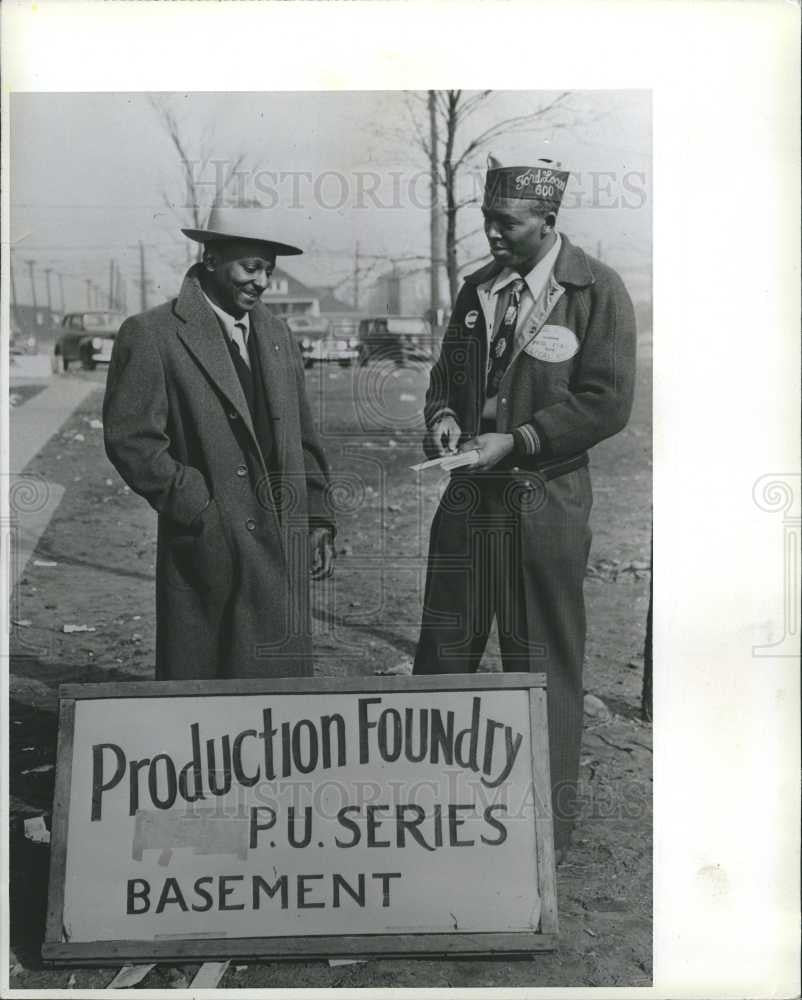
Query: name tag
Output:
(553,343)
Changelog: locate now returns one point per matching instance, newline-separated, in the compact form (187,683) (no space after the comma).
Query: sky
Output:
(94,174)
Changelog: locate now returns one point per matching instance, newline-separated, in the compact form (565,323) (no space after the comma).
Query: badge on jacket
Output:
(553,343)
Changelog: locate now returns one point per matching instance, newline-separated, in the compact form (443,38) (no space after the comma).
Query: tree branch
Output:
(516,123)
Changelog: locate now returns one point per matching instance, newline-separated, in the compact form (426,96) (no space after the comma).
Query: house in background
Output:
(289,297)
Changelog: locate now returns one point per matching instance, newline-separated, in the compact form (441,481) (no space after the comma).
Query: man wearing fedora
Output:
(206,417)
(537,366)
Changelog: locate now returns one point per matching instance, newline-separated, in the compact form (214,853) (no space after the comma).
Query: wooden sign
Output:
(279,818)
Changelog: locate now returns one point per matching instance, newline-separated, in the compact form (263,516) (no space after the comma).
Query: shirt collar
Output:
(229,321)
(536,278)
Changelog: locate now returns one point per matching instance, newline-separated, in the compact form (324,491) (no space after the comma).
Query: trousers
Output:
(512,547)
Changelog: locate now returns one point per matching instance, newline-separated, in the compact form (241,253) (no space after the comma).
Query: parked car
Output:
(87,338)
(19,342)
(320,343)
(395,338)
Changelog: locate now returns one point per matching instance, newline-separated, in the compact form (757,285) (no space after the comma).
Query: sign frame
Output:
(57,949)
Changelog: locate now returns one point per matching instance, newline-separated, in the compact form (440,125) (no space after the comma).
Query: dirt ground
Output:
(102,540)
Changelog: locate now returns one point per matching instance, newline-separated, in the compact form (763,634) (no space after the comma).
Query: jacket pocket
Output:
(201,560)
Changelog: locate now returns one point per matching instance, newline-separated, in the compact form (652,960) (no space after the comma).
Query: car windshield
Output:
(101,321)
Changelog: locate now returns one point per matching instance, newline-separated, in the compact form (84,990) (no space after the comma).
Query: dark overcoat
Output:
(232,571)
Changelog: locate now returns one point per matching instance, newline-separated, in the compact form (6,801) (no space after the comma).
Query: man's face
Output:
(514,232)
(237,273)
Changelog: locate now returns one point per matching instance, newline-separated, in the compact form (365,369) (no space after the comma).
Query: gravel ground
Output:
(102,539)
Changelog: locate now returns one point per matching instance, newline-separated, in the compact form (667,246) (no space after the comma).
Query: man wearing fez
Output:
(206,417)
(537,366)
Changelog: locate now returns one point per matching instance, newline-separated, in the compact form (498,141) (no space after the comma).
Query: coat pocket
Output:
(201,560)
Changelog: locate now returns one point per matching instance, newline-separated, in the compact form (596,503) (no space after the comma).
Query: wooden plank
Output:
(209,975)
(479,945)
(130,975)
(304,685)
(54,930)
(544,824)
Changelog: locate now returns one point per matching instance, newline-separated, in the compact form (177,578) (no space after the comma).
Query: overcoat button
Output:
(504,401)
(516,468)
(233,415)
(242,471)
(250,524)
(276,347)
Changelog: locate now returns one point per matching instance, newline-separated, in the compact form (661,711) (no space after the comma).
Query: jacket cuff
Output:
(527,440)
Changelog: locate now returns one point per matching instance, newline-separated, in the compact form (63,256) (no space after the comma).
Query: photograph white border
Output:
(725,83)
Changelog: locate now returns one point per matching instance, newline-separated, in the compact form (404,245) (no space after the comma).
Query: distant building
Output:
(399,293)
(290,297)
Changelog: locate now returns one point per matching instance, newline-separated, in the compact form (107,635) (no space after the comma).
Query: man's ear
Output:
(210,260)
(549,222)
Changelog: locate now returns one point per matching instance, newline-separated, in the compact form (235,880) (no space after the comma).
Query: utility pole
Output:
(434,213)
(88,292)
(394,291)
(61,292)
(599,250)
(111,283)
(13,288)
(48,272)
(356,276)
(31,264)
(143,279)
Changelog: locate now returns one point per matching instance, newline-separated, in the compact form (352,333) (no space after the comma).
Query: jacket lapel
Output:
(572,268)
(270,348)
(203,338)
(541,311)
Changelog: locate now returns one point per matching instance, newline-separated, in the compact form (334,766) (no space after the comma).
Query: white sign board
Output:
(236,818)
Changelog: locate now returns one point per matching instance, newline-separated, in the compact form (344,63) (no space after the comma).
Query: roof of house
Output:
(295,289)
(329,303)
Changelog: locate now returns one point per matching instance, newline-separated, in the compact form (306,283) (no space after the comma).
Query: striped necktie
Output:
(503,340)
(238,339)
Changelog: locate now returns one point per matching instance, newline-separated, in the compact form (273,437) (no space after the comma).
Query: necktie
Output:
(503,340)
(238,339)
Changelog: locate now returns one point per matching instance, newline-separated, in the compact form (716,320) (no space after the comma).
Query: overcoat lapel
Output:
(270,348)
(203,338)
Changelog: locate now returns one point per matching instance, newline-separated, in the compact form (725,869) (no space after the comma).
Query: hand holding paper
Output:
(448,462)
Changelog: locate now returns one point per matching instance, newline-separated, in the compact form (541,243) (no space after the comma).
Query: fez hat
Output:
(240,224)
(544,183)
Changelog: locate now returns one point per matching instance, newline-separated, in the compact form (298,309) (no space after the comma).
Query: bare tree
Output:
(453,110)
(201,194)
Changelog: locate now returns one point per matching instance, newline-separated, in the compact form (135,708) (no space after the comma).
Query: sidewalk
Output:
(32,500)
(37,420)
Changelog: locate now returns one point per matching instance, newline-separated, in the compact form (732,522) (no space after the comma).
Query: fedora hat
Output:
(240,224)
